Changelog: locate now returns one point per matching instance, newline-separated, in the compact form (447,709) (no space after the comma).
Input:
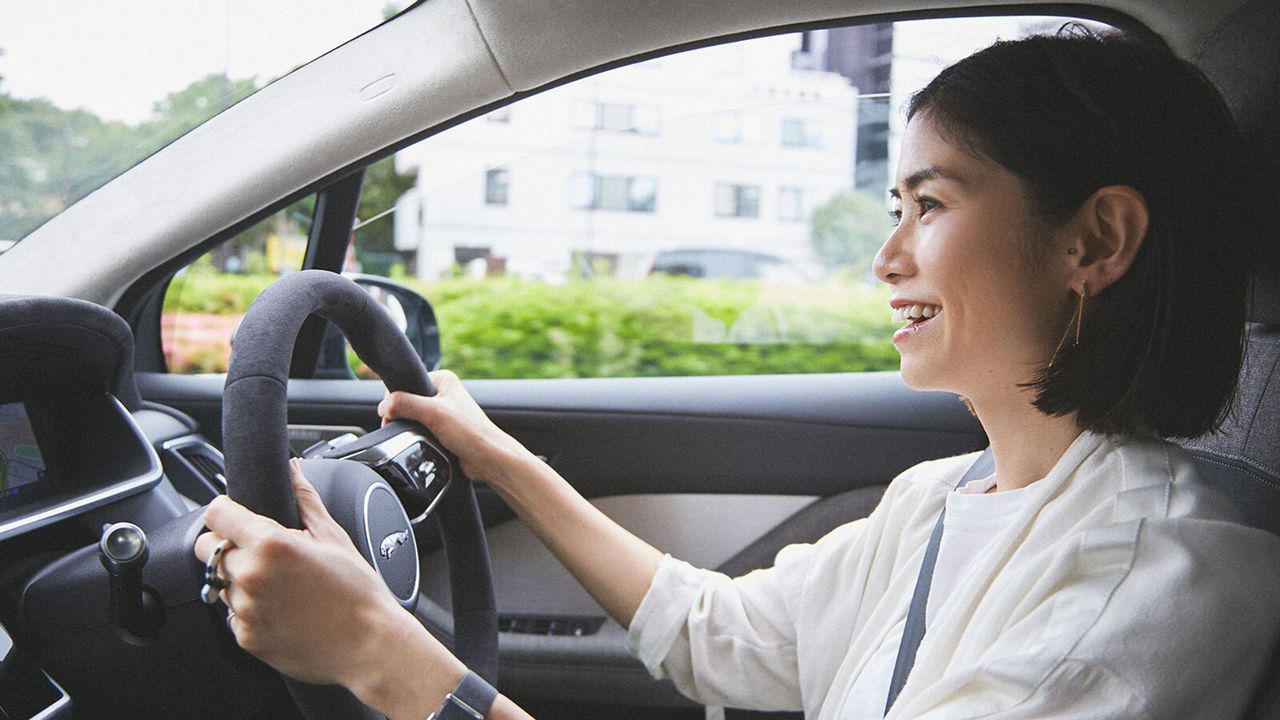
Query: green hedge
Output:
(658,326)
(202,290)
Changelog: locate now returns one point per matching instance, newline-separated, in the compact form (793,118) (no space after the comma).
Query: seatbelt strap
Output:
(913,631)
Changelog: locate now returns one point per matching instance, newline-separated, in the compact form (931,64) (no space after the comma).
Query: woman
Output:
(1074,214)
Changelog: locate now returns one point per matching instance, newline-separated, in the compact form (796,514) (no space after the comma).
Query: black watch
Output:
(471,700)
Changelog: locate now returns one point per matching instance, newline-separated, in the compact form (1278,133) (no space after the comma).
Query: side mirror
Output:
(411,312)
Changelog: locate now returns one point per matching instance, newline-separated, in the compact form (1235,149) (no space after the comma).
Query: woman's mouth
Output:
(915,316)
(915,313)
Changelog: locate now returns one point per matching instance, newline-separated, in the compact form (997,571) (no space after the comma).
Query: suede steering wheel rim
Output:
(255,445)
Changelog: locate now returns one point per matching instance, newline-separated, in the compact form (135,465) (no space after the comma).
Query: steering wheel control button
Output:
(123,551)
(391,542)
(415,468)
(423,473)
(418,465)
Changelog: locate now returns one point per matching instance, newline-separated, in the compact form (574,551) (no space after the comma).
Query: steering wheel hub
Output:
(367,508)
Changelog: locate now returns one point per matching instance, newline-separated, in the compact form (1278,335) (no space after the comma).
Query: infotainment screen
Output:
(21,462)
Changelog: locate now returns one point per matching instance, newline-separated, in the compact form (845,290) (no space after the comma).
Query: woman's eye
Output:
(925,204)
(895,214)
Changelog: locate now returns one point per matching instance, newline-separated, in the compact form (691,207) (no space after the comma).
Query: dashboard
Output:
(86,633)
(79,451)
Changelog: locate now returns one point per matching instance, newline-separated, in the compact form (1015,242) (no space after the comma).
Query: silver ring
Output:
(213,582)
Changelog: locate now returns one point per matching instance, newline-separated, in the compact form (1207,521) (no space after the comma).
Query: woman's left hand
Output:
(307,603)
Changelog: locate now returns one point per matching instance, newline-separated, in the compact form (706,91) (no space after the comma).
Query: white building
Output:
(724,147)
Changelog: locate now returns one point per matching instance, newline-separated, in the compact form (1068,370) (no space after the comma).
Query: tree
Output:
(180,111)
(202,99)
(849,229)
(382,187)
(51,157)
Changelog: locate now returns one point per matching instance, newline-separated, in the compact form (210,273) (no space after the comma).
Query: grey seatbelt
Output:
(913,631)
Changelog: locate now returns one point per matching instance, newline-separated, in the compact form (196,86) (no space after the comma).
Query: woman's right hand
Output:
(615,566)
(453,416)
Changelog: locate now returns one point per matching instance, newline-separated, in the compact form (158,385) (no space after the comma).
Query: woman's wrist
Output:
(506,463)
(401,670)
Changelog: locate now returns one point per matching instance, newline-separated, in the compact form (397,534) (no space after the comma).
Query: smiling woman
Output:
(1112,223)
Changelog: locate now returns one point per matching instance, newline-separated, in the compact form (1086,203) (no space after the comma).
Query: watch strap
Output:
(471,700)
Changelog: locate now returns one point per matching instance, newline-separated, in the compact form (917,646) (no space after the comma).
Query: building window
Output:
(737,200)
(798,132)
(618,117)
(790,204)
(497,186)
(625,193)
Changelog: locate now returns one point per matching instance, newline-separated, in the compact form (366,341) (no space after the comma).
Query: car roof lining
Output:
(439,61)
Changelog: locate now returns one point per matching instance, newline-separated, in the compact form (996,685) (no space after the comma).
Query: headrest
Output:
(54,343)
(1242,58)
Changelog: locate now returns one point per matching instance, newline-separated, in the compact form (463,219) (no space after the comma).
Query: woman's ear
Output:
(1110,227)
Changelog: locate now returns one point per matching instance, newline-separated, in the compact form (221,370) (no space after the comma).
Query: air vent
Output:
(207,466)
(195,468)
(569,625)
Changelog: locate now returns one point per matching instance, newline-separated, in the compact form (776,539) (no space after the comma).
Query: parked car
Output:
(724,263)
(719,469)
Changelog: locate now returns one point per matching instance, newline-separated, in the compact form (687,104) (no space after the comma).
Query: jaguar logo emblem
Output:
(392,542)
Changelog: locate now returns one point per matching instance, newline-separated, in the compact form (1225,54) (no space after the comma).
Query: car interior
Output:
(719,470)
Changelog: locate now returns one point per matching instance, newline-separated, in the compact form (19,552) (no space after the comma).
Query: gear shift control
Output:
(123,551)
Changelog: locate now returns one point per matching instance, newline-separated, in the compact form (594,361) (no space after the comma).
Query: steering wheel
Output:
(255,445)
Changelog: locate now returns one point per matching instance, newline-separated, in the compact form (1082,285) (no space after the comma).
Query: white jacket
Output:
(1123,589)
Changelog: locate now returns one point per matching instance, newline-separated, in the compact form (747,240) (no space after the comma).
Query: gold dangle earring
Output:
(1077,319)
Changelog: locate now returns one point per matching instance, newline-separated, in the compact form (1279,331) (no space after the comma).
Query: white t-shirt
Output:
(973,520)
(1120,587)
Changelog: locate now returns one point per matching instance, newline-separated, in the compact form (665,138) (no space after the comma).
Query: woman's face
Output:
(980,315)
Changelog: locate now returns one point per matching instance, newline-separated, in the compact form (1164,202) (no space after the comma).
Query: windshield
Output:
(87,90)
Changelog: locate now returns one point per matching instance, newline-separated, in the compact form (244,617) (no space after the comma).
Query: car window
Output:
(205,301)
(714,212)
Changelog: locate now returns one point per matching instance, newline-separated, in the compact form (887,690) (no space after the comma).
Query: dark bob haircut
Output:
(1160,350)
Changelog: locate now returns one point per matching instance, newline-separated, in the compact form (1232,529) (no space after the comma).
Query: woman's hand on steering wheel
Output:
(452,415)
(307,603)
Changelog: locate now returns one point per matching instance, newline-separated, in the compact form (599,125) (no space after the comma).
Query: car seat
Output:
(1243,458)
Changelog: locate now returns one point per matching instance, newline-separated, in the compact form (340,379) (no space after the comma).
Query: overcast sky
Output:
(118,58)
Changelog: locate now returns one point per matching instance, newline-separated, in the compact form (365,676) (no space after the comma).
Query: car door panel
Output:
(814,434)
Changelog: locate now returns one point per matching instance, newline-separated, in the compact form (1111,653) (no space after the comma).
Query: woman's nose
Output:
(892,260)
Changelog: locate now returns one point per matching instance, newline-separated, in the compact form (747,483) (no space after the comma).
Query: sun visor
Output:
(55,342)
